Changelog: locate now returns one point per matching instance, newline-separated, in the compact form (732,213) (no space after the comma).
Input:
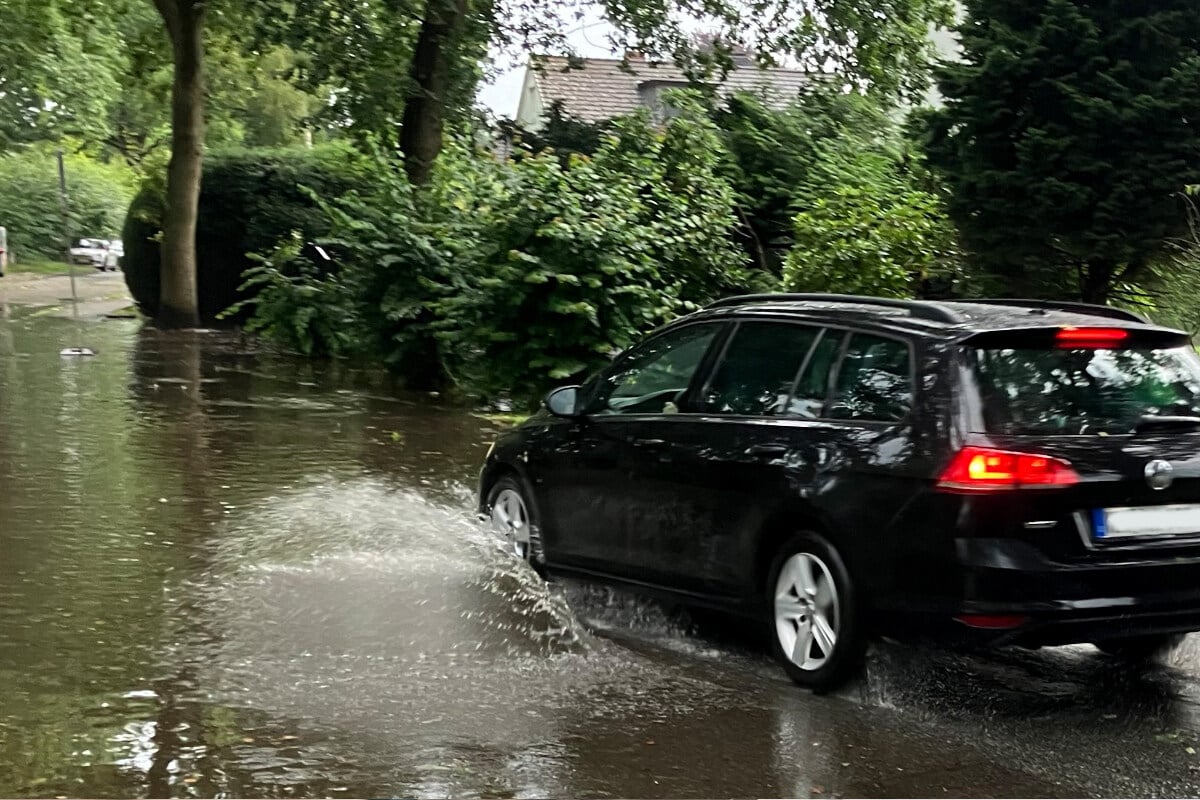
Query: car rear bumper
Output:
(1006,592)
(1097,627)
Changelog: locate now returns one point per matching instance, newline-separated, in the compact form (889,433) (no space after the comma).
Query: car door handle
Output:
(768,450)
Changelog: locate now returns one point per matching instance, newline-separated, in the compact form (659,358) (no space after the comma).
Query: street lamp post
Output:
(66,222)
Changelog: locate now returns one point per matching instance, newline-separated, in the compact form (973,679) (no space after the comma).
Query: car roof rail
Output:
(1064,305)
(917,308)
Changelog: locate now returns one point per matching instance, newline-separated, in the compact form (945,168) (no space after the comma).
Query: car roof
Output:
(955,319)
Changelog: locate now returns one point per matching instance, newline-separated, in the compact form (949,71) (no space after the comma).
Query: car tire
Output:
(1141,648)
(514,519)
(811,598)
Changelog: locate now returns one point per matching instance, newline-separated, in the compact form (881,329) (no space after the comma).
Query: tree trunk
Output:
(429,76)
(1097,283)
(178,306)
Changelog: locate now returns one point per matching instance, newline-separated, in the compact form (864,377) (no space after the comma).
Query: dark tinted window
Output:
(758,369)
(654,376)
(874,380)
(1079,392)
(813,388)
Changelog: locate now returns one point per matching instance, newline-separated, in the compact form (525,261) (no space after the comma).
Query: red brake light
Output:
(1090,338)
(980,469)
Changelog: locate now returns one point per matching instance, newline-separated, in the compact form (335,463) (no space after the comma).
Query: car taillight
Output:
(1089,338)
(981,469)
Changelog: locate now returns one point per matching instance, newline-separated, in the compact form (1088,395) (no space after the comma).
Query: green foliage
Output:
(872,241)
(772,153)
(881,44)
(296,303)
(249,200)
(571,263)
(277,108)
(872,222)
(1170,293)
(377,299)
(1068,130)
(98,195)
(395,269)
(558,275)
(514,276)
(560,132)
(60,66)
(99,72)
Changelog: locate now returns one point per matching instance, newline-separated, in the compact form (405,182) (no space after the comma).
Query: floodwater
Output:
(229,573)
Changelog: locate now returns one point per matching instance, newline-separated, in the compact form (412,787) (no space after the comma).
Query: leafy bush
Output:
(296,303)
(871,221)
(1170,292)
(376,302)
(509,277)
(557,266)
(772,153)
(249,201)
(560,132)
(98,194)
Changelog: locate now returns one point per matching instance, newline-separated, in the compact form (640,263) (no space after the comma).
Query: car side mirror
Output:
(563,402)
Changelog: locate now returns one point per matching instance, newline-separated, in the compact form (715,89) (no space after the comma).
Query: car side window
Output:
(653,378)
(874,380)
(812,390)
(758,369)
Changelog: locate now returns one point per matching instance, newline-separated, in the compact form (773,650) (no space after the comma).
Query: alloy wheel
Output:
(807,611)
(510,519)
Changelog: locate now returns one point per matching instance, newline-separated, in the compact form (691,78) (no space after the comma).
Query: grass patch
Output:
(44,267)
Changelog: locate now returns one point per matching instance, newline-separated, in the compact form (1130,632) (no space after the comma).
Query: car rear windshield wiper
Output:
(1152,423)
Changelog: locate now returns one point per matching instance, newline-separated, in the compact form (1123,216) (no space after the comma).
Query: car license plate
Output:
(1118,523)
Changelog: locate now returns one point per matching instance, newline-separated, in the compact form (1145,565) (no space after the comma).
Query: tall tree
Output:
(184,20)
(429,80)
(59,69)
(1069,131)
(432,49)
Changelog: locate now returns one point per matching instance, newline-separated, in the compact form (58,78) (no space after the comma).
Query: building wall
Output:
(531,108)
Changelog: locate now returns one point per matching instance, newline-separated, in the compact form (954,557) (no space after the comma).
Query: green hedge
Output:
(249,201)
(98,195)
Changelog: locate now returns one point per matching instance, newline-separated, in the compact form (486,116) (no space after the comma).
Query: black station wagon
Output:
(992,471)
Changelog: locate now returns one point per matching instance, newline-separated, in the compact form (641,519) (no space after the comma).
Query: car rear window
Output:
(1083,391)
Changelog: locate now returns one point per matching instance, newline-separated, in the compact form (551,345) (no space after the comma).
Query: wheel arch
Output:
(784,522)
(493,472)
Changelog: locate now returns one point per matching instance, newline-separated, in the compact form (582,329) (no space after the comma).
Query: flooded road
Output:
(224,572)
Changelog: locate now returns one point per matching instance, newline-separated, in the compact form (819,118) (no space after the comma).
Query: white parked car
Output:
(89,251)
(113,256)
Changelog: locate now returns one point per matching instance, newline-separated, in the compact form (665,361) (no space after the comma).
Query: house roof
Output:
(596,89)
